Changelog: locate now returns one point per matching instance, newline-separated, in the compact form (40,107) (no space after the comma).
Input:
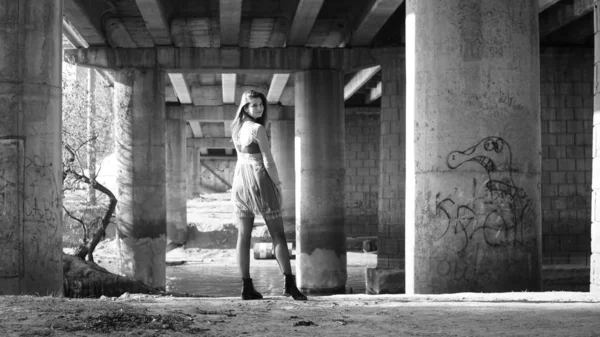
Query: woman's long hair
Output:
(239,115)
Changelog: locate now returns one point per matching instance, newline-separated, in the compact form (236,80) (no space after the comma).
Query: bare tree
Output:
(87,136)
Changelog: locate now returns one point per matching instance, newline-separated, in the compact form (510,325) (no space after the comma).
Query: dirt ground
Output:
(511,314)
(465,314)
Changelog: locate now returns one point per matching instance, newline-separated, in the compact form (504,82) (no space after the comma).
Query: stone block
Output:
(385,281)
(562,277)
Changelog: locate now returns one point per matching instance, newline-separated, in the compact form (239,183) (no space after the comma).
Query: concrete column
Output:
(595,229)
(388,276)
(30,148)
(282,146)
(176,182)
(141,210)
(320,174)
(193,171)
(473,219)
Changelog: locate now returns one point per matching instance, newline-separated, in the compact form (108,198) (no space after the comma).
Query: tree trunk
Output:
(91,135)
(87,279)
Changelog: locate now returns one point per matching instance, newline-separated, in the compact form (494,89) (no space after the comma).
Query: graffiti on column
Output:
(498,209)
(41,203)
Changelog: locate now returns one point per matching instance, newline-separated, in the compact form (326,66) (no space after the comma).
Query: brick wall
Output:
(392,176)
(362,171)
(567,111)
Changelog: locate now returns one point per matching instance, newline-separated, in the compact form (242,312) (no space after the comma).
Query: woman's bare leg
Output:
(243,245)
(282,254)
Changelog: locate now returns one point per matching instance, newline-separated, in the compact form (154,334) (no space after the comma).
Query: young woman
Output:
(256,189)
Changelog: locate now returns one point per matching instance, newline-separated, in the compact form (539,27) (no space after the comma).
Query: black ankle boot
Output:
(290,288)
(248,291)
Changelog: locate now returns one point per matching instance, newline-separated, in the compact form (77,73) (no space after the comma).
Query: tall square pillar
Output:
(141,177)
(176,139)
(320,174)
(30,147)
(473,202)
(282,146)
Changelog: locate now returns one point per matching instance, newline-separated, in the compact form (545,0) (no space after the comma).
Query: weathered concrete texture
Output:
(227,59)
(282,146)
(141,210)
(193,166)
(143,259)
(30,147)
(208,95)
(319,148)
(473,218)
(595,230)
(384,280)
(176,182)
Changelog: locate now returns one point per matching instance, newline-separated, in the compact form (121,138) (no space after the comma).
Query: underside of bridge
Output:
(481,140)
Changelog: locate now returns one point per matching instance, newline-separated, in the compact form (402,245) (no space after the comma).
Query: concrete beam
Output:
(373,94)
(156,21)
(359,80)
(562,14)
(230,15)
(73,35)
(117,34)
(222,113)
(228,60)
(228,84)
(188,131)
(260,32)
(170,95)
(377,13)
(278,83)
(227,157)
(304,19)
(107,76)
(196,129)
(210,143)
(81,22)
(545,4)
(369,111)
(227,128)
(181,88)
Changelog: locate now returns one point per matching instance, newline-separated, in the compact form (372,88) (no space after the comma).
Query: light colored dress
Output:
(255,180)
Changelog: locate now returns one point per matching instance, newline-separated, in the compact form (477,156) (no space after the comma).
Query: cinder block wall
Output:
(567,111)
(362,171)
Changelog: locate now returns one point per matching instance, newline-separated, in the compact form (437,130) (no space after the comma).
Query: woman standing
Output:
(256,189)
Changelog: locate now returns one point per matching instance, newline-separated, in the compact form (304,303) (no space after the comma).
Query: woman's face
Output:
(254,108)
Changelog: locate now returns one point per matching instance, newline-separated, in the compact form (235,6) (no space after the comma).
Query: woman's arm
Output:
(265,149)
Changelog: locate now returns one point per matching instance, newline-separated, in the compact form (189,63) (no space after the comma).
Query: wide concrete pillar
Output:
(282,146)
(595,230)
(30,147)
(388,276)
(176,182)
(141,210)
(320,174)
(473,219)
